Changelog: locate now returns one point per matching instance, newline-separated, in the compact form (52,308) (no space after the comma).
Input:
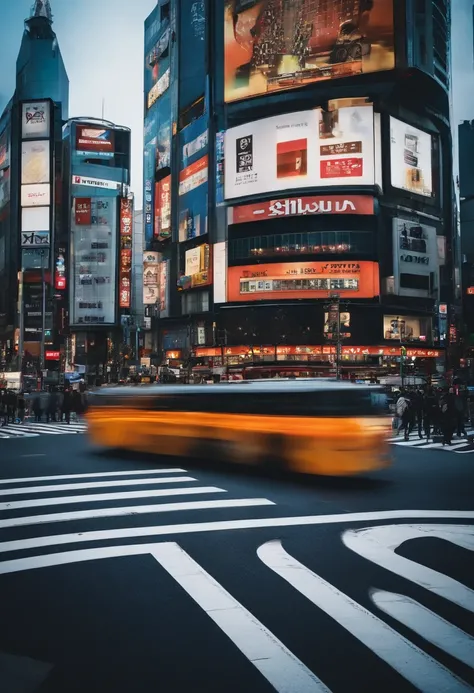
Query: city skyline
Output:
(93,89)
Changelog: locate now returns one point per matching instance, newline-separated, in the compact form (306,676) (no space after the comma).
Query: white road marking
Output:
(18,434)
(133,510)
(227,525)
(107,497)
(25,491)
(378,544)
(38,454)
(409,661)
(31,428)
(284,671)
(429,625)
(92,475)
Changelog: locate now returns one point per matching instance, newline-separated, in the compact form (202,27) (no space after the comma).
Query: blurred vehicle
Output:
(312,427)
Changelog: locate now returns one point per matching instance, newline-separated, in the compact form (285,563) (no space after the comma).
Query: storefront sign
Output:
(126,221)
(303,280)
(82,211)
(52,355)
(96,183)
(302,206)
(125,269)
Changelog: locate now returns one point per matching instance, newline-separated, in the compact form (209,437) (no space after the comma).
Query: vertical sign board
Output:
(125,266)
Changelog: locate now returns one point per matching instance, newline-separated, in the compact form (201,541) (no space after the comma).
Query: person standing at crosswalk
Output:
(66,406)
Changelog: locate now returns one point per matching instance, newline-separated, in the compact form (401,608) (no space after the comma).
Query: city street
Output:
(122,573)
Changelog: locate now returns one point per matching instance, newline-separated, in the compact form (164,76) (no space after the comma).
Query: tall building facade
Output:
(30,182)
(298,186)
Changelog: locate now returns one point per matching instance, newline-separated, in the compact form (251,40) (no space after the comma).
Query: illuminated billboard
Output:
(306,149)
(163,208)
(5,149)
(94,142)
(35,162)
(151,278)
(198,269)
(411,162)
(302,280)
(273,45)
(35,120)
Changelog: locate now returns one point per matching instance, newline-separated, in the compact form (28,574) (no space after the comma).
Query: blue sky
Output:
(102,45)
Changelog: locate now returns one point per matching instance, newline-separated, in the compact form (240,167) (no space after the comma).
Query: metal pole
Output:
(21,321)
(43,317)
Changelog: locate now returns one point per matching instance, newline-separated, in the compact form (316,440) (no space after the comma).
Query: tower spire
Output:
(42,8)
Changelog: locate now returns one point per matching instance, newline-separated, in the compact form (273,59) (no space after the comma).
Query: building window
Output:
(291,244)
(195,302)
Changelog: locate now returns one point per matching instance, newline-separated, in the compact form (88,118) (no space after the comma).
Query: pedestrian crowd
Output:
(432,413)
(41,406)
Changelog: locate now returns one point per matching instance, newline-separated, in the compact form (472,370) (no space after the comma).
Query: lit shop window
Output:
(406,328)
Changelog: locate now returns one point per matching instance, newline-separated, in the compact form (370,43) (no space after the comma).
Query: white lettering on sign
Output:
(298,207)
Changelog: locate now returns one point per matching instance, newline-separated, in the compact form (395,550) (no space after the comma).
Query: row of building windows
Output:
(313,243)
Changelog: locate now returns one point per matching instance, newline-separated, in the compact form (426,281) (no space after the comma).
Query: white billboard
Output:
(38,195)
(35,219)
(415,259)
(307,149)
(35,239)
(35,120)
(411,165)
(96,182)
(192,261)
(35,162)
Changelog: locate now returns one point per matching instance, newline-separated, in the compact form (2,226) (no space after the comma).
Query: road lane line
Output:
(403,656)
(31,428)
(18,434)
(227,525)
(429,625)
(107,497)
(284,671)
(133,510)
(378,545)
(25,491)
(93,475)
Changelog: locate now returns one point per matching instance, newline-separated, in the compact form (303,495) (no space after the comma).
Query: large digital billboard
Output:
(415,259)
(307,149)
(272,45)
(290,280)
(411,163)
(95,142)
(94,252)
(193,180)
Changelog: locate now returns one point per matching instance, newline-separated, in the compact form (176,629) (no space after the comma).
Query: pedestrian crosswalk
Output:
(31,429)
(459,445)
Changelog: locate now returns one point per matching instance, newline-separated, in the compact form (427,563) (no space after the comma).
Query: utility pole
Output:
(334,316)
(403,353)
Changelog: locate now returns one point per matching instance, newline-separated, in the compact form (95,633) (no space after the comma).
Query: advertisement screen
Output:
(83,211)
(415,258)
(125,260)
(193,179)
(272,45)
(192,52)
(157,68)
(150,131)
(197,268)
(35,162)
(35,239)
(302,280)
(35,219)
(5,149)
(35,120)
(306,149)
(406,328)
(163,208)
(36,195)
(95,142)
(411,158)
(164,288)
(151,280)
(94,249)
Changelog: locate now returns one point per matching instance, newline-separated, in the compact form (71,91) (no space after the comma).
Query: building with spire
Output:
(30,197)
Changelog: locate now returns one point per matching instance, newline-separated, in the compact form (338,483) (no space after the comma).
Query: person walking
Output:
(37,407)
(52,406)
(67,405)
(448,417)
(460,414)
(21,407)
(418,411)
(430,406)
(404,414)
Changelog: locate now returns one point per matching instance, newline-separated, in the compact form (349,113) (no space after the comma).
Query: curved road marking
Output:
(274,661)
(427,624)
(228,525)
(409,661)
(378,544)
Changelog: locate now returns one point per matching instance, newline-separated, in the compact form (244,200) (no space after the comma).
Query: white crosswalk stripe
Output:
(458,445)
(30,429)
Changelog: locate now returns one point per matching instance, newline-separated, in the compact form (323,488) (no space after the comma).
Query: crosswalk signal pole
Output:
(403,353)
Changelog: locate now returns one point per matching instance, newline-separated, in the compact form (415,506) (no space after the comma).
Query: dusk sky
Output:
(102,46)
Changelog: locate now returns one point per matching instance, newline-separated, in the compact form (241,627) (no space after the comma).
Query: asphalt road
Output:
(164,575)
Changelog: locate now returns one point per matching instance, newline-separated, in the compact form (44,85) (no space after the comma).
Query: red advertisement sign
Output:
(90,139)
(163,208)
(193,175)
(315,351)
(125,270)
(342,168)
(82,211)
(302,206)
(126,220)
(52,355)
